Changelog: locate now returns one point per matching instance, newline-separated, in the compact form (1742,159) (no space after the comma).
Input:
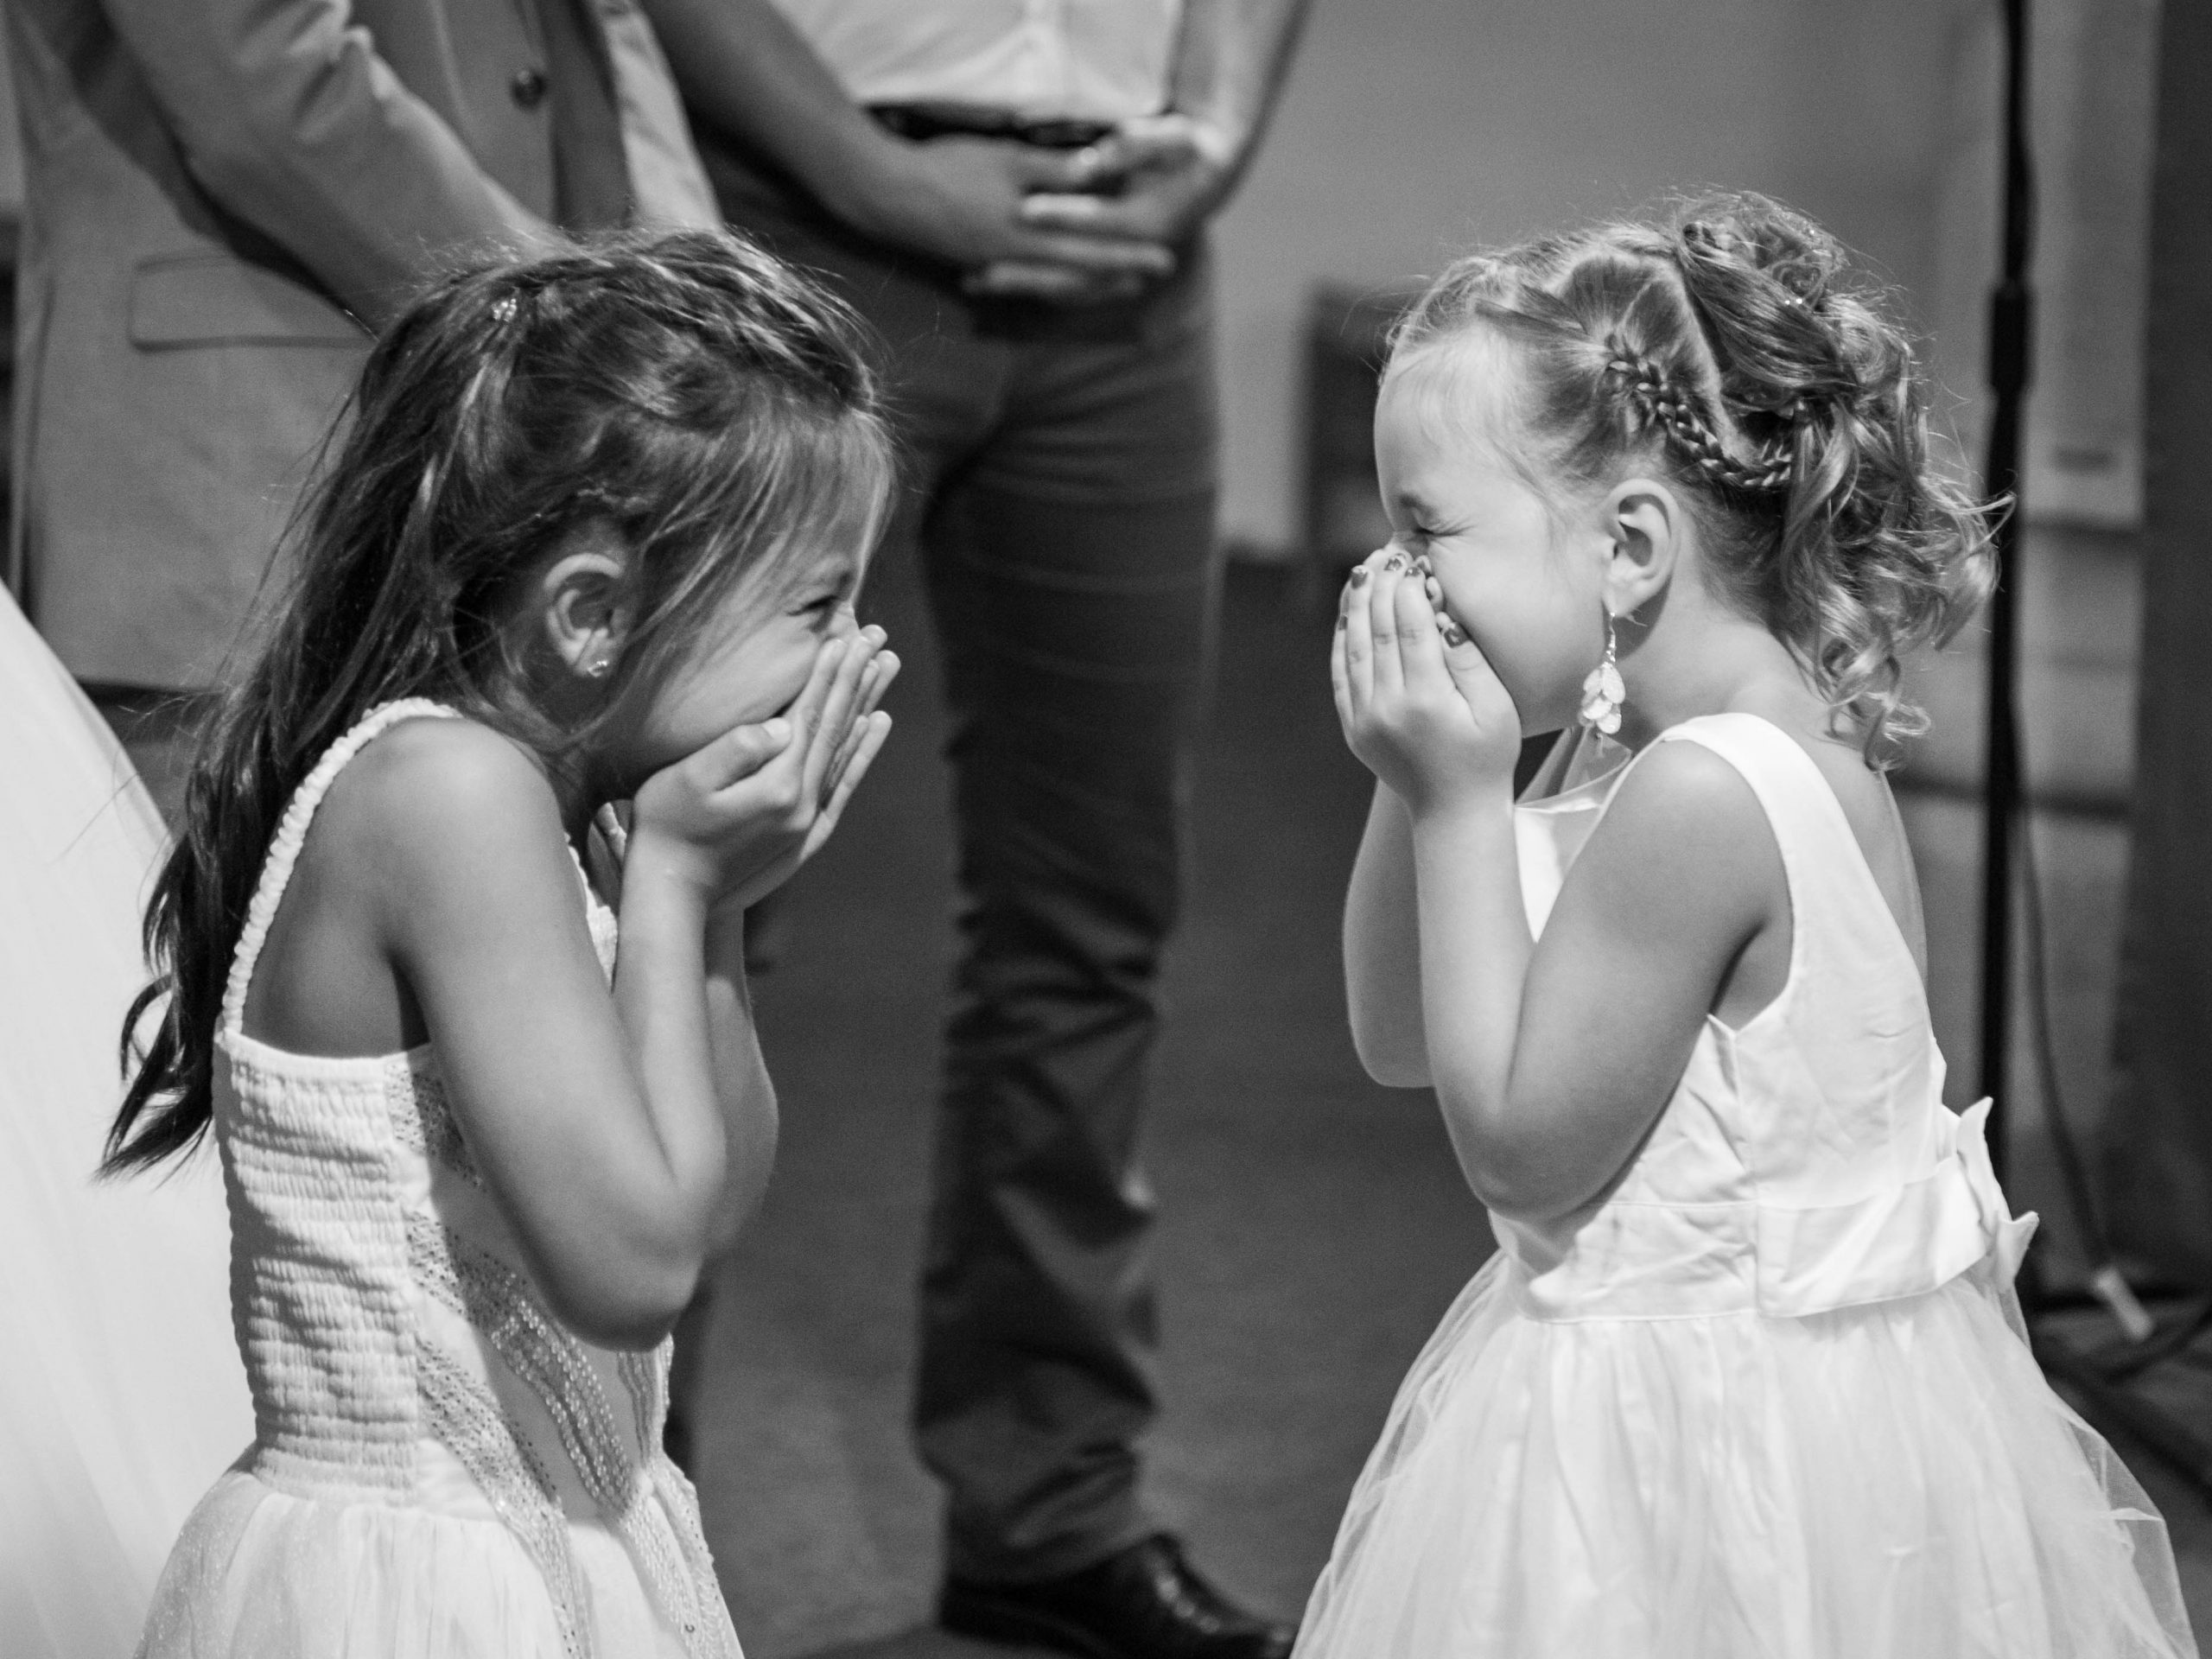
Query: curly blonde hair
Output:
(1730,351)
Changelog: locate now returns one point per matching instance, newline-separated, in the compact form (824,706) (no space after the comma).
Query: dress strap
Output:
(1833,894)
(291,835)
(1800,802)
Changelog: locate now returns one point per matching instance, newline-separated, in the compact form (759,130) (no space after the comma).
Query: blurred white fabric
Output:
(1086,59)
(122,1397)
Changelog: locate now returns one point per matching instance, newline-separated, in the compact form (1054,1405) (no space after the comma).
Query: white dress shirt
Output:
(1078,60)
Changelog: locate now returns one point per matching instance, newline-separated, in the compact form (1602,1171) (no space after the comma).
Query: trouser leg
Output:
(1075,637)
(1062,464)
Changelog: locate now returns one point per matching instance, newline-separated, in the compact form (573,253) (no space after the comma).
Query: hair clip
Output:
(504,310)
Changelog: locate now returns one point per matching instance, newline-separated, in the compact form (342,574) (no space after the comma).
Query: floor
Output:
(1315,1227)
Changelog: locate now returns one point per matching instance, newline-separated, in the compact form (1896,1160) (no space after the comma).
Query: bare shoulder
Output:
(1686,831)
(435,840)
(1684,790)
(437,805)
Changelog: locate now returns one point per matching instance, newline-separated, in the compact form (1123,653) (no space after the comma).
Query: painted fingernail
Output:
(1434,589)
(1453,635)
(1395,562)
(1358,575)
(1422,564)
(1341,621)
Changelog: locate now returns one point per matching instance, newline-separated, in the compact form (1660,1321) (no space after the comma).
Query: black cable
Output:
(2011,341)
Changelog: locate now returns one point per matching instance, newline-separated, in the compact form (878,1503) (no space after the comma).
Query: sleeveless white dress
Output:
(1768,1399)
(440,1470)
(120,1392)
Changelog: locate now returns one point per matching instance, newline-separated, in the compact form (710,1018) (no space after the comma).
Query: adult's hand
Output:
(1172,172)
(962,201)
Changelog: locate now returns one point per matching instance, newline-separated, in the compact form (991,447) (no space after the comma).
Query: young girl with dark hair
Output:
(592,536)
(1745,1377)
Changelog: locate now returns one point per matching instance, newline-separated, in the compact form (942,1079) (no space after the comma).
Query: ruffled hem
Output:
(1892,1481)
(263,1575)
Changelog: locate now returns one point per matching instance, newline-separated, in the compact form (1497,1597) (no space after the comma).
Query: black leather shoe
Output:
(1144,1602)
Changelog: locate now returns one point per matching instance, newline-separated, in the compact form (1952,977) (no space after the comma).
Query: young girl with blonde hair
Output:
(1745,1379)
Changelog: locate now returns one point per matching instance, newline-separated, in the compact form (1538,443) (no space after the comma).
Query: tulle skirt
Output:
(262,1574)
(121,1393)
(1889,1482)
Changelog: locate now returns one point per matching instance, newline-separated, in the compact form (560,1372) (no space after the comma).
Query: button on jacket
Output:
(223,197)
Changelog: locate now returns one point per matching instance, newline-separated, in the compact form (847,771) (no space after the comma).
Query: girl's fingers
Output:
(805,712)
(873,684)
(837,709)
(872,730)
(1359,631)
(1421,646)
(880,672)
(1340,673)
(740,752)
(1383,622)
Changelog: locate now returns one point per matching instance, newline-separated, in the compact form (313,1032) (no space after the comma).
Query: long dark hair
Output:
(708,404)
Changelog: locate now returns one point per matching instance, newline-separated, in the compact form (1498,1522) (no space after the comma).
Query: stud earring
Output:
(1602,690)
(600,669)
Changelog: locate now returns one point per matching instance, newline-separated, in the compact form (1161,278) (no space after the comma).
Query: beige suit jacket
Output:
(222,198)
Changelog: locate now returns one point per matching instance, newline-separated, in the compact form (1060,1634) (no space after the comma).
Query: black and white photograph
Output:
(1105,829)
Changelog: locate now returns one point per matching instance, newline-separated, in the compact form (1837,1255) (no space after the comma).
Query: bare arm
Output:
(1552,1063)
(624,1137)
(1383,950)
(746,71)
(748,1097)
(1551,1060)
(588,1131)
(1231,59)
(287,116)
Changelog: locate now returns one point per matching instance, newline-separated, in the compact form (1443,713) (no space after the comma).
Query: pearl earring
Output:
(1602,690)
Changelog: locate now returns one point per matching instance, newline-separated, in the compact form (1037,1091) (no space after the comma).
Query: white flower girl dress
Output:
(440,1470)
(1770,1398)
(121,1396)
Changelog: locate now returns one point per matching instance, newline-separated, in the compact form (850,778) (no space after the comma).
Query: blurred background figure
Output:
(996,189)
(122,1397)
(221,200)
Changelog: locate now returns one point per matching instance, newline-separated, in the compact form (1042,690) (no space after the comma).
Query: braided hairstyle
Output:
(1729,353)
(707,405)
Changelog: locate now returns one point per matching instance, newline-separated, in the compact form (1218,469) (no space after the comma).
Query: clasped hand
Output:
(734,820)
(1419,703)
(1167,173)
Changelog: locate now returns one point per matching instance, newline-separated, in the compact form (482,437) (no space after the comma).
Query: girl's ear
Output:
(582,617)
(1645,522)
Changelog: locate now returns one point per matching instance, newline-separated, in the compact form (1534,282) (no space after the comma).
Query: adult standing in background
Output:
(224,198)
(1014,192)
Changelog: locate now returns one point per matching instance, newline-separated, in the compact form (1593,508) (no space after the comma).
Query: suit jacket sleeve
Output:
(288,118)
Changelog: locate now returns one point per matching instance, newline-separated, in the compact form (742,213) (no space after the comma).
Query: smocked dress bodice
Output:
(400,1359)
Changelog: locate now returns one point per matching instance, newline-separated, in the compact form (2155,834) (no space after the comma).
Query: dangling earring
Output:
(1602,690)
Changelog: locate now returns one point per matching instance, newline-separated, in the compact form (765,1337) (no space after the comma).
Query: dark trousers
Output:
(1060,485)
